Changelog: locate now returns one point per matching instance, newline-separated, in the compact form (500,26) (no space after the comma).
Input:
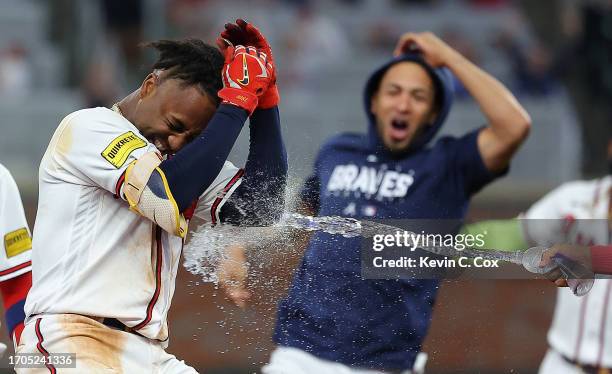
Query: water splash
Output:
(208,246)
(347,227)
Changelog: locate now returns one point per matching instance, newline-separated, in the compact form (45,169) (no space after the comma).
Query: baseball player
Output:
(15,264)
(332,320)
(580,338)
(579,213)
(113,207)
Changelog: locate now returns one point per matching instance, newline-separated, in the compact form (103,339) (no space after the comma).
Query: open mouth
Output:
(399,129)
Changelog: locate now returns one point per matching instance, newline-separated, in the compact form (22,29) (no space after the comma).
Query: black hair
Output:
(192,61)
(437,86)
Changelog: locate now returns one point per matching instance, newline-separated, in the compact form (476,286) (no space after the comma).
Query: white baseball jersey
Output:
(582,326)
(16,238)
(92,255)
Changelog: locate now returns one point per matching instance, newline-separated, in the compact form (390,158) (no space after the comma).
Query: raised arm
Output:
(259,200)
(508,121)
(158,189)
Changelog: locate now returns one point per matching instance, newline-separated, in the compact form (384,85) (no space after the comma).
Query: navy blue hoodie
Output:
(330,310)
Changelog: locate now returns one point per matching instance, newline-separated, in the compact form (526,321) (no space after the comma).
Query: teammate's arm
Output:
(232,271)
(504,235)
(508,120)
(232,274)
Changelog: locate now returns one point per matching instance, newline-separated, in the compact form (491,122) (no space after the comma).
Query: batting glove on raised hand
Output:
(247,74)
(244,33)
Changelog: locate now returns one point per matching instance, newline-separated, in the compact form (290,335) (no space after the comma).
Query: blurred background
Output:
(58,56)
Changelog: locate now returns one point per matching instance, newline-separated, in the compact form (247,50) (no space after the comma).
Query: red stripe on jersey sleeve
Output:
(15,268)
(119,185)
(230,184)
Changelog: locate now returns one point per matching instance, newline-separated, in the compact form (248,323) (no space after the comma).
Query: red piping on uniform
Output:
(41,349)
(15,268)
(602,330)
(229,185)
(158,271)
(188,213)
(119,185)
(581,326)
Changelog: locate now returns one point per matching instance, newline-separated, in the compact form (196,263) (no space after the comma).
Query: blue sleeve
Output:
(260,198)
(15,315)
(467,165)
(192,169)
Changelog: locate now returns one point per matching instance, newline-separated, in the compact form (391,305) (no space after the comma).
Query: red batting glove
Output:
(245,33)
(247,74)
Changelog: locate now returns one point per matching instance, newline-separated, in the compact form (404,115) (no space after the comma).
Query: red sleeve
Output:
(601,259)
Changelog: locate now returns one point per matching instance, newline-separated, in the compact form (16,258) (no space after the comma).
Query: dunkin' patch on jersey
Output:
(16,242)
(118,151)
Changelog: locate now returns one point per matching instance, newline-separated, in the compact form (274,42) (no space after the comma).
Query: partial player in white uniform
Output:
(15,262)
(580,336)
(576,213)
(113,210)
(81,257)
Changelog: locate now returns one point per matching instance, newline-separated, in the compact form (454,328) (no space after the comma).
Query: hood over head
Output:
(443,82)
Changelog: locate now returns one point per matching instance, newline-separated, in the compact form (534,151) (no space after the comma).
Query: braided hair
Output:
(192,61)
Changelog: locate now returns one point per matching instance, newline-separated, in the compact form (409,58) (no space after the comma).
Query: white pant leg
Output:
(168,363)
(98,348)
(289,360)
(554,363)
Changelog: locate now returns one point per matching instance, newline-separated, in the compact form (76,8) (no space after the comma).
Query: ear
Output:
(147,88)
